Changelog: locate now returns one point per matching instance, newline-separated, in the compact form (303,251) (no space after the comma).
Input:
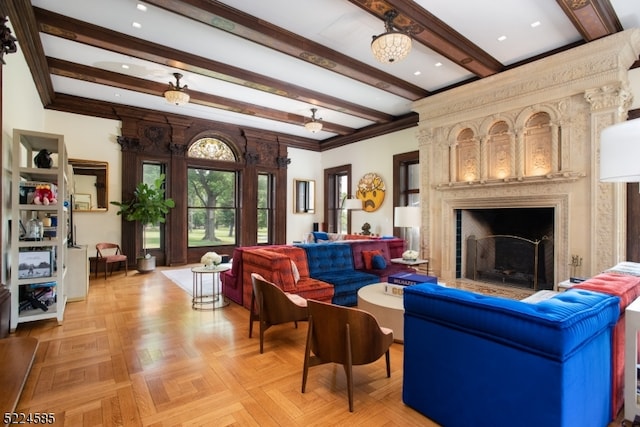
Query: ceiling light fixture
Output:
(176,94)
(315,125)
(392,45)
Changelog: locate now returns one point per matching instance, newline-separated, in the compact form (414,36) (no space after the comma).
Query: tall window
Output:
(406,189)
(212,200)
(153,233)
(407,172)
(337,188)
(266,217)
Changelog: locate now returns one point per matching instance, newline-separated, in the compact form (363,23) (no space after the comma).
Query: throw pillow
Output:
(367,257)
(378,262)
(320,235)
(296,273)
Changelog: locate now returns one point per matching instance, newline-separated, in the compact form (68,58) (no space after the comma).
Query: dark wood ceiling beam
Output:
(25,27)
(78,31)
(121,81)
(592,18)
(430,31)
(233,21)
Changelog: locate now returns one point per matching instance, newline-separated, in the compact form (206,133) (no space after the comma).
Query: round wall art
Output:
(371,191)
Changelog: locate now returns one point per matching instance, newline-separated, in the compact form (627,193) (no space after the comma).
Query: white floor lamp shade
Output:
(620,152)
(407,217)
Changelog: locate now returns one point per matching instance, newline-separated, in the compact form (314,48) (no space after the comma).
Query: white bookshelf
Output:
(43,281)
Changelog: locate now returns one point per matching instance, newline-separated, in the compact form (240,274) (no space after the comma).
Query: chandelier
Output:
(176,94)
(390,46)
(315,125)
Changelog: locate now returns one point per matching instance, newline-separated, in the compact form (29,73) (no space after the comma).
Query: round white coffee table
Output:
(387,309)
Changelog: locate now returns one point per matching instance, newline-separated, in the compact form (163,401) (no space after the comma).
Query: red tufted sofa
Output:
(627,288)
(385,247)
(275,265)
(232,279)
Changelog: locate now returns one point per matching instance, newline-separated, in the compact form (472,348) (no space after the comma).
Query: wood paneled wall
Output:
(165,140)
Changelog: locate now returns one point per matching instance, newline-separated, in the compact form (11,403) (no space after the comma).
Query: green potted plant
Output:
(148,206)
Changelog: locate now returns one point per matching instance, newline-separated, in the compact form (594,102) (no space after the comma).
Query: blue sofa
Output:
(333,263)
(475,360)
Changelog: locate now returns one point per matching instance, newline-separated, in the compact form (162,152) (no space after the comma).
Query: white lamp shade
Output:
(352,204)
(620,152)
(407,216)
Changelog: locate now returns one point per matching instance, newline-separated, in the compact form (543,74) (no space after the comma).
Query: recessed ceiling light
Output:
(117,95)
(141,7)
(535,24)
(438,64)
(136,25)
(502,38)
(417,73)
(125,66)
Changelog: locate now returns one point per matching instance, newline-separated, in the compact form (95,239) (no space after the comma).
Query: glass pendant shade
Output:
(175,94)
(177,97)
(391,47)
(314,125)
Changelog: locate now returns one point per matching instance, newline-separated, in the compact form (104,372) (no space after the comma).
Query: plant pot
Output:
(146,265)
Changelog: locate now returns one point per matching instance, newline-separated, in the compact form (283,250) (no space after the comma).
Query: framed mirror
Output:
(304,196)
(90,185)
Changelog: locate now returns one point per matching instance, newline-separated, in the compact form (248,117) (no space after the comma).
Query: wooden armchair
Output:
(345,335)
(109,254)
(270,305)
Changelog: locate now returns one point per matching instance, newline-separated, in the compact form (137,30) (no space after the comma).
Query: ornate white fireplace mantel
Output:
(529,137)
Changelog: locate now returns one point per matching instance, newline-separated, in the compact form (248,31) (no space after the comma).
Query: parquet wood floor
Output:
(134,353)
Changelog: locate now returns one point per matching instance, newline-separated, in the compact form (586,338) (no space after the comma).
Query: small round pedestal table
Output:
(213,300)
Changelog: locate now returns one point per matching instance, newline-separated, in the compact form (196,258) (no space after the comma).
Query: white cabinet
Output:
(77,281)
(39,228)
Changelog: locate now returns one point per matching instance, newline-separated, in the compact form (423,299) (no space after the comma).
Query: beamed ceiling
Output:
(262,65)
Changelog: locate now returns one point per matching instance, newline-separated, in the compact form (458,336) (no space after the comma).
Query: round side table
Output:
(387,309)
(215,299)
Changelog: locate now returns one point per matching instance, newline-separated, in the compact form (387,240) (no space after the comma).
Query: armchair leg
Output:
(348,369)
(307,354)
(388,358)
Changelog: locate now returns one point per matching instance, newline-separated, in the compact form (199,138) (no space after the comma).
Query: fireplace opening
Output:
(507,246)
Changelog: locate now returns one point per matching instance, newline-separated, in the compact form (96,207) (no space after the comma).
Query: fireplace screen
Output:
(508,260)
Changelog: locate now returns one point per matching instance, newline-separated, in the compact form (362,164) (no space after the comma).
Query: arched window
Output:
(212,195)
(212,149)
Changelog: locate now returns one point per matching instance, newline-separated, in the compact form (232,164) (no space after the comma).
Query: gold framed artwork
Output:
(371,191)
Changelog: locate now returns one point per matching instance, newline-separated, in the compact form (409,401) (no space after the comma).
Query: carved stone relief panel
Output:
(499,151)
(467,155)
(537,140)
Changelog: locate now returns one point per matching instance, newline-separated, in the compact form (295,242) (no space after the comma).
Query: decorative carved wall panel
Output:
(551,113)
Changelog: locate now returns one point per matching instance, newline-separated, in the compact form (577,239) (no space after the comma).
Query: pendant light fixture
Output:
(175,94)
(315,125)
(391,46)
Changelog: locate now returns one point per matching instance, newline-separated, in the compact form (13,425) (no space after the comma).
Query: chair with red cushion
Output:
(109,254)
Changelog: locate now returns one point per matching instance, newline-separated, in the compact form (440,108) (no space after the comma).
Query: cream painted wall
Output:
(91,138)
(373,155)
(304,165)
